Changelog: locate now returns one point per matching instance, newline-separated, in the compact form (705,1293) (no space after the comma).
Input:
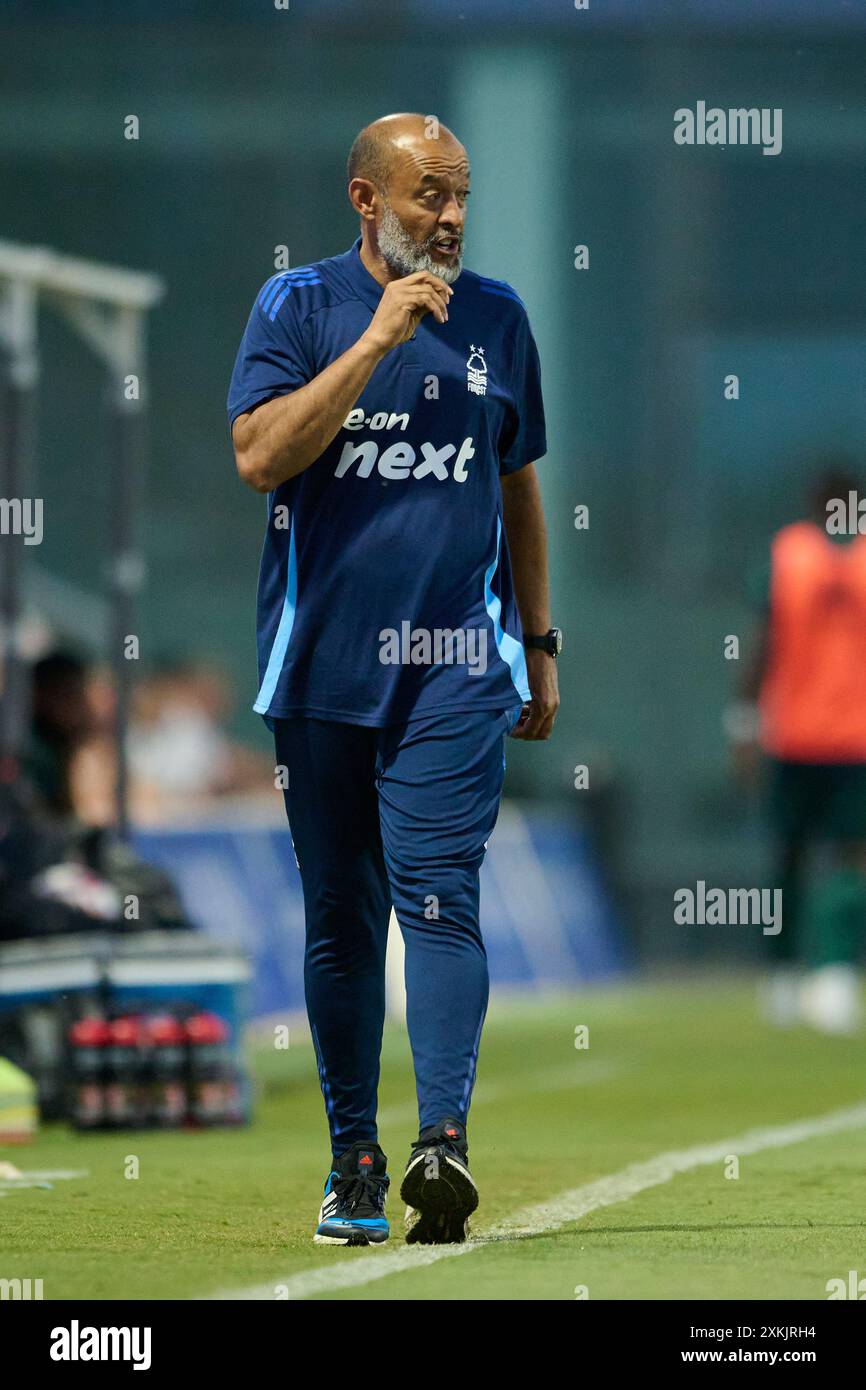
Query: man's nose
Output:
(452,214)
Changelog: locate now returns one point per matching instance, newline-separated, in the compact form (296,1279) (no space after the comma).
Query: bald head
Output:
(381,146)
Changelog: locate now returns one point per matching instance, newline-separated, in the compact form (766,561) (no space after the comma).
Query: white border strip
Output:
(363,1268)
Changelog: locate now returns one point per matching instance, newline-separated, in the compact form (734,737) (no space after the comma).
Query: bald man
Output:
(388,402)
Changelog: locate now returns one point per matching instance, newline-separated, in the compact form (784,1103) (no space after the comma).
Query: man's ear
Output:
(362,196)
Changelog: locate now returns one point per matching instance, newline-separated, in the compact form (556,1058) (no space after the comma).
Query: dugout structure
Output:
(107,307)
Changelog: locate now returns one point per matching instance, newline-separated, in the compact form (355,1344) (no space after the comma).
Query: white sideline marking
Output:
(556,1212)
(48,1174)
(17,1181)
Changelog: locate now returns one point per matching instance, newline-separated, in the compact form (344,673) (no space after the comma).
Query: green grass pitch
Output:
(668,1068)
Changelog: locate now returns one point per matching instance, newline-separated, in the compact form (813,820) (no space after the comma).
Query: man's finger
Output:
(528,730)
(427,277)
(425,298)
(539,725)
(428,292)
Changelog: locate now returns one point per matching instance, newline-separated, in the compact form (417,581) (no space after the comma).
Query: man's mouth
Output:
(447,246)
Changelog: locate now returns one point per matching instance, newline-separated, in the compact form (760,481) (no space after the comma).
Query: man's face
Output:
(423,212)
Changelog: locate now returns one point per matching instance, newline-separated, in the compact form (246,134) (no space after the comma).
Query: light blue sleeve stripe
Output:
(289,286)
(508,647)
(284,632)
(286,277)
(278,286)
(270,290)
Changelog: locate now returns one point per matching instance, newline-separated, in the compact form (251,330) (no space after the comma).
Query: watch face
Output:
(556,635)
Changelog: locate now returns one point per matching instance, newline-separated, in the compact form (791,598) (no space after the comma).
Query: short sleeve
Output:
(522,439)
(272,359)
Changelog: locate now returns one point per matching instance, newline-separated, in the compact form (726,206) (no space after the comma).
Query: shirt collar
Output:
(368,288)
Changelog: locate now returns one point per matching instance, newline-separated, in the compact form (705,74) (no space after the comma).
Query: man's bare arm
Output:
(527,544)
(283,436)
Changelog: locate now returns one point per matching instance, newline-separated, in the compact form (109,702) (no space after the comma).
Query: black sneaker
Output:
(438,1189)
(353,1207)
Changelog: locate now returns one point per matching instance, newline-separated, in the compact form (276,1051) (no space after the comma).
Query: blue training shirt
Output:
(385,587)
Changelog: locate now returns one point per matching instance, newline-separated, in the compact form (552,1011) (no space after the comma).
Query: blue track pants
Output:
(396,815)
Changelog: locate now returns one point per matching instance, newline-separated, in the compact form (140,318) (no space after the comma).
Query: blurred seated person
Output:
(61,722)
(179,750)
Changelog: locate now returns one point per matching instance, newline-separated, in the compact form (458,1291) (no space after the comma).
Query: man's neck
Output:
(374,263)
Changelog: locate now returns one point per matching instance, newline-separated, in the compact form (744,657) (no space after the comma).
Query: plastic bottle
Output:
(167,1071)
(124,1090)
(214,1092)
(88,1057)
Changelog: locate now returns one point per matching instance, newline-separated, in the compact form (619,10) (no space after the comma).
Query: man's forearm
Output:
(527,545)
(285,435)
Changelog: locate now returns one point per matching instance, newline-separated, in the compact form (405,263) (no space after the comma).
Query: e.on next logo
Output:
(77,1343)
(401,460)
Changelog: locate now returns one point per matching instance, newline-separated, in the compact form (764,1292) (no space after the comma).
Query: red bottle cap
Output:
(125,1032)
(164,1030)
(89,1032)
(206,1028)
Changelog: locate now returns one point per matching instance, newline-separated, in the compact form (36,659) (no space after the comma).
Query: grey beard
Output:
(406,256)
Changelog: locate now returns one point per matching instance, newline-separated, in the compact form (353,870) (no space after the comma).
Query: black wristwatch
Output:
(551,642)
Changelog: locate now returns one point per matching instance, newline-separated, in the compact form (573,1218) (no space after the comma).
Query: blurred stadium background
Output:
(702,262)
